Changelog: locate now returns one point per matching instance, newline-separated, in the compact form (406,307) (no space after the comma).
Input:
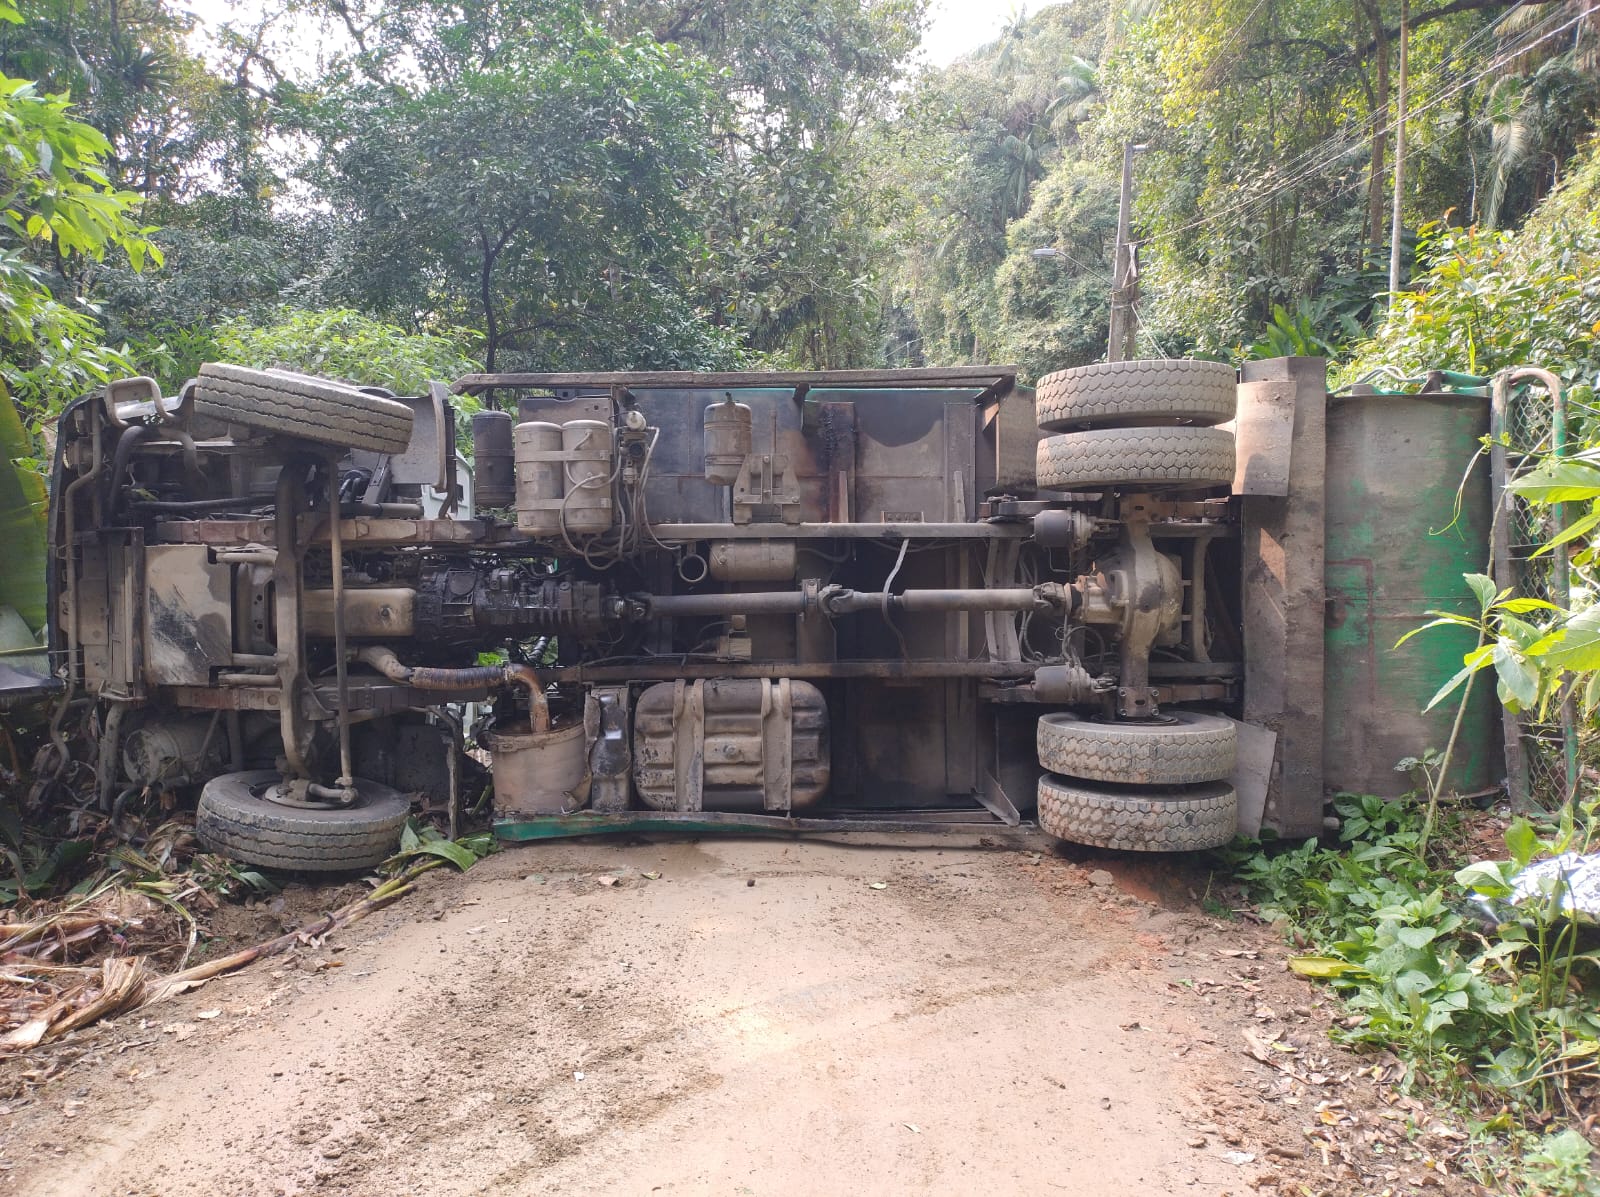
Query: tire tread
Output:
(1190,819)
(1119,458)
(313,409)
(231,820)
(1197,748)
(1112,393)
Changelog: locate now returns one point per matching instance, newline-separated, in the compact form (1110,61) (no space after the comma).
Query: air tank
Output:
(587,445)
(494,475)
(1397,547)
(541,485)
(728,440)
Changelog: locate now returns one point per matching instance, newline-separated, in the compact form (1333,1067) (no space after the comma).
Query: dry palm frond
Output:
(1527,25)
(120,986)
(42,1002)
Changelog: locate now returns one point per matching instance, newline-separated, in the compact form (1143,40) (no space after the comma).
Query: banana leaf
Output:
(23,505)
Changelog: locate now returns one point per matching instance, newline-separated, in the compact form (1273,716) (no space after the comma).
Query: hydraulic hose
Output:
(427,677)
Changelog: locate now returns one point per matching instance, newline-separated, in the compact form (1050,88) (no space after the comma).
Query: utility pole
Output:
(1395,226)
(1124,284)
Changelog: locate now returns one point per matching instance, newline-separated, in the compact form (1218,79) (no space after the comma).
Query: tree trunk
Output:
(491,326)
(1380,139)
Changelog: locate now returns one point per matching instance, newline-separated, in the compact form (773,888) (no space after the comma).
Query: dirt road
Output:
(762,1017)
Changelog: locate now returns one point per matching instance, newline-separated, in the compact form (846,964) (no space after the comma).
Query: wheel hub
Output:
(302,793)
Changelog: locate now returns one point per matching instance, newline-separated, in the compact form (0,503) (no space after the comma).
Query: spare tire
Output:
(234,819)
(298,405)
(1181,748)
(1136,459)
(1125,394)
(1170,820)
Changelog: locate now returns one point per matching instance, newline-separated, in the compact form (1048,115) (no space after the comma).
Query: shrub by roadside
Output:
(1496,1018)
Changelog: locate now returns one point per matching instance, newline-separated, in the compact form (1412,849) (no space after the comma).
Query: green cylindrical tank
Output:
(1397,547)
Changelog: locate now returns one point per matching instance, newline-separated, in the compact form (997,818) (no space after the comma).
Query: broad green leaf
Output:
(1486,877)
(1579,527)
(1516,675)
(462,858)
(1521,606)
(1559,482)
(1591,692)
(1575,646)
(1519,631)
(1483,586)
(1444,620)
(1522,841)
(1455,683)
(1416,937)
(22,521)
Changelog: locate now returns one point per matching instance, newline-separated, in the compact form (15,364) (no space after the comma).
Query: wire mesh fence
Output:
(1528,422)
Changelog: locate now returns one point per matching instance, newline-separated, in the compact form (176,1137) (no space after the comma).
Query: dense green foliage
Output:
(59,207)
(1263,180)
(668,183)
(476,197)
(336,342)
(1488,300)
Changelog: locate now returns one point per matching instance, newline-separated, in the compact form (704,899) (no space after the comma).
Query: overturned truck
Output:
(869,599)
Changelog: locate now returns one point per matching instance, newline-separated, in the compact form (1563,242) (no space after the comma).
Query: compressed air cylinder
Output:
(587,445)
(728,440)
(541,477)
(494,473)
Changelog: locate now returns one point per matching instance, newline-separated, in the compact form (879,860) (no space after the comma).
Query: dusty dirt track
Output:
(756,1020)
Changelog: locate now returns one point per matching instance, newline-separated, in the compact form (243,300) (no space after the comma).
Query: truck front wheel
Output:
(235,819)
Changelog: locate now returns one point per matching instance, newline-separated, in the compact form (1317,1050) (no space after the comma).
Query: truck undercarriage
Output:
(850,599)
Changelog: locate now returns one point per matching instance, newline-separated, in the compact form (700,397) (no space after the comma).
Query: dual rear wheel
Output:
(1159,785)
(1156,786)
(1136,425)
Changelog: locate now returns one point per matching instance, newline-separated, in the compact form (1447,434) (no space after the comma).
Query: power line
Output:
(1423,82)
(1342,189)
(1296,180)
(1232,37)
(1083,266)
(1352,145)
(1278,189)
(1449,64)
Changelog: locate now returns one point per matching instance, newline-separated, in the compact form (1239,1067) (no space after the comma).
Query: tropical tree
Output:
(533,188)
(971,156)
(791,208)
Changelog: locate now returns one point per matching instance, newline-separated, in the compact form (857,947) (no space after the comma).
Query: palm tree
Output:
(1529,113)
